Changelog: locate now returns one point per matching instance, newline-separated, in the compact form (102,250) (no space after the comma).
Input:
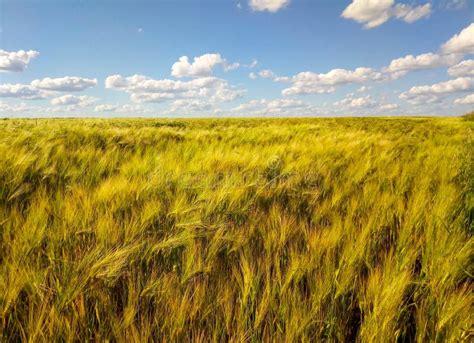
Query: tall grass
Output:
(236,230)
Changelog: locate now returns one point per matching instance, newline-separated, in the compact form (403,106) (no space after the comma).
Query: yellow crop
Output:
(236,230)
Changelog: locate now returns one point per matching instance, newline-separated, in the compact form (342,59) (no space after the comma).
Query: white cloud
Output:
(432,93)
(231,66)
(373,13)
(145,89)
(21,108)
(223,93)
(276,107)
(363,105)
(389,107)
(282,79)
(370,13)
(400,66)
(285,103)
(21,91)
(68,99)
(253,64)
(128,109)
(455,4)
(189,106)
(201,66)
(152,97)
(16,109)
(363,89)
(144,84)
(411,14)
(266,74)
(421,99)
(24,110)
(140,30)
(313,83)
(119,82)
(462,42)
(464,68)
(451,86)
(105,108)
(64,84)
(268,5)
(42,89)
(361,102)
(16,60)
(467,100)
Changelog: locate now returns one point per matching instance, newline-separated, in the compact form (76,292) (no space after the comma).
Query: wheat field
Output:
(241,230)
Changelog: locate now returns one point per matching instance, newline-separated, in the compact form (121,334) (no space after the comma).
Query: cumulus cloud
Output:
(64,84)
(144,84)
(432,93)
(462,42)
(145,89)
(25,110)
(363,89)
(68,99)
(411,14)
(268,5)
(285,103)
(360,102)
(369,13)
(105,108)
(15,61)
(42,89)
(21,91)
(389,107)
(464,68)
(400,66)
(373,13)
(421,99)
(266,74)
(450,54)
(467,100)
(20,108)
(451,86)
(362,105)
(151,97)
(313,83)
(223,93)
(201,66)
(275,107)
(231,66)
(125,109)
(282,79)
(187,106)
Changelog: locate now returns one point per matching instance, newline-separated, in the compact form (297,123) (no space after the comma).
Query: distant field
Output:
(237,230)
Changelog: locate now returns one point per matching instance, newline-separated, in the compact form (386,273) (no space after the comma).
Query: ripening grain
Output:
(236,230)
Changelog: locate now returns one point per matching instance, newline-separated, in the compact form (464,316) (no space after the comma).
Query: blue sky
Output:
(253,58)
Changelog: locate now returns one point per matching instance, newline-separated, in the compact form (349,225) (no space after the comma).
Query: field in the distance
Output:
(242,230)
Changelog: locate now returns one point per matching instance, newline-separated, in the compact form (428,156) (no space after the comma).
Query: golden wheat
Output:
(236,230)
